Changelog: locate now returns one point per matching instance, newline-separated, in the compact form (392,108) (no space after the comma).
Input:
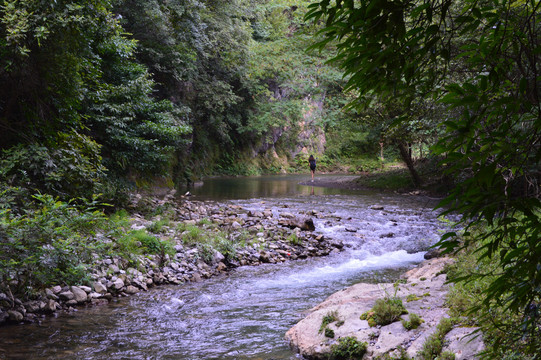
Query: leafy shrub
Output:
(191,234)
(434,343)
(208,241)
(329,333)
(140,242)
(402,355)
(431,348)
(348,348)
(329,318)
(413,322)
(294,239)
(225,246)
(158,226)
(388,310)
(51,243)
(446,355)
(69,167)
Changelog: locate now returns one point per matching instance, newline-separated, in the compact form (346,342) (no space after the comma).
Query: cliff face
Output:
(423,292)
(302,136)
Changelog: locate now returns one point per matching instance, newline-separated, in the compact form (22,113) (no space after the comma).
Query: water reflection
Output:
(269,186)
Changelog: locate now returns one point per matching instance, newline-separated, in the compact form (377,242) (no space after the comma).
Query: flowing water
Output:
(244,315)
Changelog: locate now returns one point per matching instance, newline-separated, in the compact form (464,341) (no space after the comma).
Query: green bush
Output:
(294,239)
(388,310)
(191,234)
(329,318)
(446,355)
(158,226)
(348,348)
(434,343)
(68,167)
(402,355)
(51,243)
(413,322)
(329,333)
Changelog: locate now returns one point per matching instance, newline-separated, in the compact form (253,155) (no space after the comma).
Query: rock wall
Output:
(305,136)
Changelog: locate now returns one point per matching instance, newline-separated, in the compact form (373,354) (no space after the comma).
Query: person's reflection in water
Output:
(312,193)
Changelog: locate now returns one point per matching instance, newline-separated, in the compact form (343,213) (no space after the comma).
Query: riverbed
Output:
(245,314)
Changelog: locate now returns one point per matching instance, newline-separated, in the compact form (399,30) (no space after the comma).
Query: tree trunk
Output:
(409,162)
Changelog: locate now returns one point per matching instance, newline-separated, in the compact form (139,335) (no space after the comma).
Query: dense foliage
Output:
(481,61)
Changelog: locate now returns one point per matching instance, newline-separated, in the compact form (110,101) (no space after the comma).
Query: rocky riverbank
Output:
(423,292)
(266,236)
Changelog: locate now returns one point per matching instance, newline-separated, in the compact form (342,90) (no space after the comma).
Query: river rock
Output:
(50,294)
(432,253)
(86,289)
(306,224)
(80,295)
(66,296)
(221,267)
(465,343)
(50,306)
(3,317)
(15,316)
(130,289)
(117,284)
(99,288)
(32,306)
(350,303)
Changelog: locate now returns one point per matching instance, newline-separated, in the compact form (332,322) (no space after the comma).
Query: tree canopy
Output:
(481,61)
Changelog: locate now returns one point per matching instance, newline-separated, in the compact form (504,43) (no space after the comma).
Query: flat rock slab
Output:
(423,292)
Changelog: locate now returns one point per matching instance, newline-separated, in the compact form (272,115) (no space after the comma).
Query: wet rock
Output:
(15,316)
(3,317)
(306,224)
(50,294)
(117,285)
(432,253)
(79,294)
(66,296)
(221,267)
(377,207)
(51,306)
(32,306)
(130,289)
(99,288)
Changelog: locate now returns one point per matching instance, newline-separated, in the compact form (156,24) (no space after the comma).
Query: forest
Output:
(99,98)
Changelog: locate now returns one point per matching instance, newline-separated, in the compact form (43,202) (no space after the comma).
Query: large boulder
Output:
(79,295)
(423,293)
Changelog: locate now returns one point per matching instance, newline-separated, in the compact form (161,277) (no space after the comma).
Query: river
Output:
(244,315)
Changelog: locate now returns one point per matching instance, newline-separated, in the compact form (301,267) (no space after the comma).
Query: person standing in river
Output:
(312,162)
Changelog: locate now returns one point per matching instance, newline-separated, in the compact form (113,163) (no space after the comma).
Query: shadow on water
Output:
(244,315)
